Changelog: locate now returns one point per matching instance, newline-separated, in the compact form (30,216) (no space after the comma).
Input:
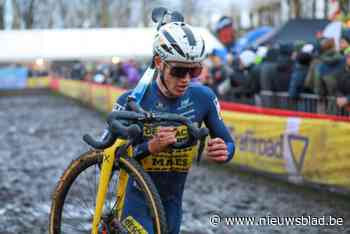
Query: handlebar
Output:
(126,125)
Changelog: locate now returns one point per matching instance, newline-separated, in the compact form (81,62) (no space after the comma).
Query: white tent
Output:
(20,45)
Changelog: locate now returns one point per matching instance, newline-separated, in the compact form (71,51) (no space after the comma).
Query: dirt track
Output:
(41,134)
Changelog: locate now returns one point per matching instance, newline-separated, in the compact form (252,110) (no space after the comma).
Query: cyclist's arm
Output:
(142,149)
(216,126)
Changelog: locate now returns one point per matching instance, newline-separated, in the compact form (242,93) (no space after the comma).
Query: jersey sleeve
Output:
(141,148)
(216,125)
(120,103)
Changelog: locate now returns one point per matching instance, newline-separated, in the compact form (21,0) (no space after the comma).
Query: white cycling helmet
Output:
(178,42)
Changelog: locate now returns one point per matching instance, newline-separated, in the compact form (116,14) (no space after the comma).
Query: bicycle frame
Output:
(106,171)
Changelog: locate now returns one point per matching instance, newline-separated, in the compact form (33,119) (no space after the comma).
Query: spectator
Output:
(243,79)
(133,74)
(284,68)
(345,40)
(118,75)
(261,54)
(219,73)
(78,71)
(268,69)
(226,34)
(204,77)
(343,84)
(331,66)
(303,60)
(315,63)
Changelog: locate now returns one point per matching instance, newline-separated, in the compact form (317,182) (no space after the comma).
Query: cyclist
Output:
(178,53)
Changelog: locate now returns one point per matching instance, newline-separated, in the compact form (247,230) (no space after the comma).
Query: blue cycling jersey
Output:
(168,170)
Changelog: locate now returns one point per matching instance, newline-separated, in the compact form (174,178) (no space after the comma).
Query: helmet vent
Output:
(178,49)
(166,48)
(189,35)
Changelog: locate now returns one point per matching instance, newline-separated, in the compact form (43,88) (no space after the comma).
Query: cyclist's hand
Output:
(160,142)
(217,150)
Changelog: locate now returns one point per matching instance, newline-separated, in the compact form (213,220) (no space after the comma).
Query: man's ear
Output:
(158,62)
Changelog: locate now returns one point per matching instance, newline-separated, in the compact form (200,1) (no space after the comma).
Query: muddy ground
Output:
(41,134)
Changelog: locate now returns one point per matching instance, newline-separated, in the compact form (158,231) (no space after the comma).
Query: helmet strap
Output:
(162,86)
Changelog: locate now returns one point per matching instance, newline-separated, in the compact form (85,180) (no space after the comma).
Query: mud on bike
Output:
(90,194)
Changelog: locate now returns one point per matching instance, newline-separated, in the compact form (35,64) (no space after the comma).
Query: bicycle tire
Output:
(95,157)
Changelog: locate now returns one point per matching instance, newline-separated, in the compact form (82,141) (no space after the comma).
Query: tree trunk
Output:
(2,7)
(290,7)
(104,20)
(29,15)
(326,6)
(16,23)
(145,12)
(297,8)
(314,9)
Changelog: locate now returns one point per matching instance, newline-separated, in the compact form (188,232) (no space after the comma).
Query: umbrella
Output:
(251,37)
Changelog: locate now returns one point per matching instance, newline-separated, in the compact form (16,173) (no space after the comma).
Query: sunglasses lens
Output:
(196,71)
(182,71)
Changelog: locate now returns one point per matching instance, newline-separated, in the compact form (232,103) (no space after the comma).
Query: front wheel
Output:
(73,202)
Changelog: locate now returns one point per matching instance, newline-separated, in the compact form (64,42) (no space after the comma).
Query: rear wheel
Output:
(73,202)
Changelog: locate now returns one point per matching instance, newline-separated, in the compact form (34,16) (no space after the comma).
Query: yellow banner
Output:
(327,157)
(70,88)
(100,97)
(38,82)
(302,149)
(259,140)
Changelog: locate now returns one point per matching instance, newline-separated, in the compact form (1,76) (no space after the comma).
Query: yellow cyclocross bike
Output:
(89,196)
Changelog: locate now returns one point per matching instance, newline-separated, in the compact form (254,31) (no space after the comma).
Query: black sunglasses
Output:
(181,72)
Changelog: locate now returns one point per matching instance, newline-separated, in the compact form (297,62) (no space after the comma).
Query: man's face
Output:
(226,35)
(177,76)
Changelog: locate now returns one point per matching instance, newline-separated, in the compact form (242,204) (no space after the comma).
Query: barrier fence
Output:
(310,103)
(302,147)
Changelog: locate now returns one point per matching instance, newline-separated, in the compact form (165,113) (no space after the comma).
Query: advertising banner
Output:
(100,97)
(298,148)
(13,78)
(38,82)
(70,88)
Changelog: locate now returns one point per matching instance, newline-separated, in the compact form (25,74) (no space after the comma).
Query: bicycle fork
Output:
(105,175)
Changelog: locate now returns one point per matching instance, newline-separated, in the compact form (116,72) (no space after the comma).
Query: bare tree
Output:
(62,9)
(2,14)
(121,12)
(104,15)
(326,9)
(25,10)
(296,8)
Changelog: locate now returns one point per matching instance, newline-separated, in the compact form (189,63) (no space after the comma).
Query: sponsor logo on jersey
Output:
(175,160)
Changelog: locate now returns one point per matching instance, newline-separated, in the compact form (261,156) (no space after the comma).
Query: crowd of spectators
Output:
(294,69)
(124,74)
